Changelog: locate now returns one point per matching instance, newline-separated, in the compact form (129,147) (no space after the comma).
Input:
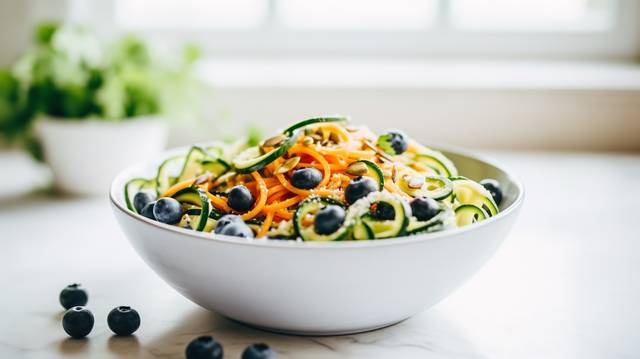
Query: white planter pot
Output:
(85,155)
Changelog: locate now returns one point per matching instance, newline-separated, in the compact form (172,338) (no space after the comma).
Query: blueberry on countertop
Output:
(306,178)
(204,347)
(259,351)
(147,211)
(329,219)
(393,142)
(123,320)
(359,187)
(73,295)
(143,198)
(384,211)
(240,198)
(167,210)
(78,322)
(424,208)
(494,188)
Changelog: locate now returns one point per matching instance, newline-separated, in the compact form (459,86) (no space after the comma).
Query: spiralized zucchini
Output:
(340,155)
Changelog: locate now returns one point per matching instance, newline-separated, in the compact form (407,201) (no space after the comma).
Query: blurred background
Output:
(500,74)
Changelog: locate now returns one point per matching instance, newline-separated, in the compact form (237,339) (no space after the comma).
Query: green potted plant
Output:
(93,109)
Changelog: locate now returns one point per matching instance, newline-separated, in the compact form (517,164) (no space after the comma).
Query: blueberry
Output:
(237,230)
(123,320)
(73,295)
(306,178)
(359,187)
(142,198)
(393,142)
(78,322)
(494,188)
(167,210)
(424,208)
(258,351)
(147,211)
(225,221)
(384,211)
(240,198)
(329,219)
(204,347)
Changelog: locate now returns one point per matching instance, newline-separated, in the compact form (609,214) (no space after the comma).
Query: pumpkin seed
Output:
(288,165)
(307,141)
(357,169)
(415,182)
(274,141)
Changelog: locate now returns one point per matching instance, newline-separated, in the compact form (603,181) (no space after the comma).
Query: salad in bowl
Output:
(321,179)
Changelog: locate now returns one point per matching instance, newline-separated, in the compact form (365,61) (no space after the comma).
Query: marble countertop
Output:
(564,284)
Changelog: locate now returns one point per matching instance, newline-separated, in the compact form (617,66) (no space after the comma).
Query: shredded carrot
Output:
(262,197)
(264,228)
(284,204)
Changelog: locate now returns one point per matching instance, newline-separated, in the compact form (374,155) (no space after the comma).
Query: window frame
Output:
(442,41)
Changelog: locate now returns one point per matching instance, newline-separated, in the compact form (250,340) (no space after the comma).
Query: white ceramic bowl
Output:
(319,288)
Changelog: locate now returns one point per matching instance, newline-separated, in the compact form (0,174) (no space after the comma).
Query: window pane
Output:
(357,14)
(533,15)
(190,14)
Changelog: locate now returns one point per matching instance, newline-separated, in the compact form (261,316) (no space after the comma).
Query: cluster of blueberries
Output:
(123,321)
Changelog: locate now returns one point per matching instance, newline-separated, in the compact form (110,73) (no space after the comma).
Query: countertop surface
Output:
(563,285)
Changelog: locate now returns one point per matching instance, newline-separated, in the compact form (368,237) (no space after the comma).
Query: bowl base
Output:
(320,333)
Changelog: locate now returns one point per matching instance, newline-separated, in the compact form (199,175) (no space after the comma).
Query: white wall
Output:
(522,119)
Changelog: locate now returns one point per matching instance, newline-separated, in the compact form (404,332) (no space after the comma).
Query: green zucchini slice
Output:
(361,231)
(252,159)
(168,172)
(436,187)
(443,220)
(469,213)
(372,170)
(359,214)
(437,161)
(310,207)
(195,197)
(199,162)
(289,131)
(471,192)
(134,186)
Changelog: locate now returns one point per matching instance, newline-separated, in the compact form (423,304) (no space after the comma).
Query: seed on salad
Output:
(259,351)
(306,178)
(415,182)
(352,128)
(274,141)
(73,295)
(78,322)
(288,165)
(204,347)
(307,140)
(167,210)
(329,219)
(143,198)
(147,211)
(493,187)
(201,179)
(357,169)
(240,198)
(424,208)
(123,320)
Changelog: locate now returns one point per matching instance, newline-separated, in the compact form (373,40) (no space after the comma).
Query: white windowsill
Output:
(428,74)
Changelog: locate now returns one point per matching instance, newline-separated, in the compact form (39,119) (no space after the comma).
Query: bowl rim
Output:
(278,243)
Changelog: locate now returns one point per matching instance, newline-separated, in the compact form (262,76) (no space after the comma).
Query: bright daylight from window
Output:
(323,179)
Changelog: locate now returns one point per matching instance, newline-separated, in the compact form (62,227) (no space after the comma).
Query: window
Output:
(544,28)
